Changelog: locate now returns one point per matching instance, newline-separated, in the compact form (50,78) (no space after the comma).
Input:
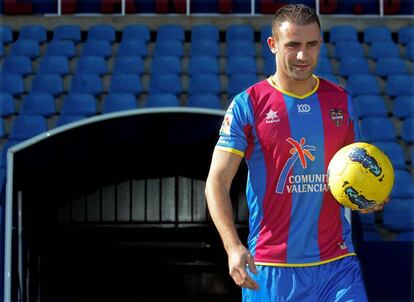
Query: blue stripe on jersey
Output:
(353,117)
(303,229)
(346,228)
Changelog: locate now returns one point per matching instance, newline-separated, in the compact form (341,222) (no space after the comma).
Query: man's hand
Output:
(239,259)
(376,208)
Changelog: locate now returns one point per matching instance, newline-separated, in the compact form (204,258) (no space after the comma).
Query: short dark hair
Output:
(298,14)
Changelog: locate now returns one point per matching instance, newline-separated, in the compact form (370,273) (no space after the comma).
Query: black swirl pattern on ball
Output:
(360,155)
(358,200)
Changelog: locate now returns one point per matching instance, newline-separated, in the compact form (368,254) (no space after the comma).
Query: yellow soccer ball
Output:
(360,176)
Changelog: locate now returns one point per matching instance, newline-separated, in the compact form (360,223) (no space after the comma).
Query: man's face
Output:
(297,49)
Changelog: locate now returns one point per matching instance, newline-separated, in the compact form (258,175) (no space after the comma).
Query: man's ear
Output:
(271,42)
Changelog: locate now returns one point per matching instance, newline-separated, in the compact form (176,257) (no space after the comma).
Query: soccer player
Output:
(287,128)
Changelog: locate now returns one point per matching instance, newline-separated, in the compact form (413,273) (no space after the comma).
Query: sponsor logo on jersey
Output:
(225,126)
(272,117)
(304,108)
(337,116)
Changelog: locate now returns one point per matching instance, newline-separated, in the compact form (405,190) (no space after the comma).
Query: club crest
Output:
(337,116)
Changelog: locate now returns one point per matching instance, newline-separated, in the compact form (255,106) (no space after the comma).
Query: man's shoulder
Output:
(328,86)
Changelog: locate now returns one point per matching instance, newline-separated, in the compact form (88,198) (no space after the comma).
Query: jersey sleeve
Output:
(234,129)
(354,133)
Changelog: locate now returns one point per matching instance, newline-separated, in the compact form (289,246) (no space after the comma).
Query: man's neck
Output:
(293,86)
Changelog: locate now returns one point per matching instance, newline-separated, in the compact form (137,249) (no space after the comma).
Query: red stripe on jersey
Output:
(271,245)
(330,237)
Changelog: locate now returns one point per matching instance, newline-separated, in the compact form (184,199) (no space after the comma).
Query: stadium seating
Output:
(241,64)
(241,48)
(133,48)
(203,64)
(38,104)
(162,100)
(28,48)
(239,82)
(86,83)
(329,76)
(206,100)
(69,32)
(20,65)
(170,32)
(205,32)
(398,215)
(377,129)
(128,64)
(204,83)
(339,33)
(63,48)
(383,49)
(67,119)
(165,83)
(97,48)
(79,104)
(375,33)
(403,106)
(6,34)
(324,65)
(409,51)
(406,34)
(136,32)
(12,84)
(102,32)
(7,106)
(386,66)
(353,66)
(399,85)
(54,65)
(125,83)
(394,151)
(348,49)
(91,64)
(405,236)
(204,48)
(408,130)
(47,83)
(27,126)
(370,105)
(166,64)
(239,32)
(119,101)
(269,66)
(169,48)
(359,84)
(35,32)
(403,185)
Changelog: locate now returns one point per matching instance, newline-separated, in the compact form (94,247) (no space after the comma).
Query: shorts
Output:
(336,281)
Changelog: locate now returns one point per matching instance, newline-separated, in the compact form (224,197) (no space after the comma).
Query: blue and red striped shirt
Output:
(287,142)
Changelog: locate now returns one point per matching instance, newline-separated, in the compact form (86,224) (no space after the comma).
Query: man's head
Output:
(296,40)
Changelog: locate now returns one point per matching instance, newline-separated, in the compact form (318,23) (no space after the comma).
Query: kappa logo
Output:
(304,108)
(272,117)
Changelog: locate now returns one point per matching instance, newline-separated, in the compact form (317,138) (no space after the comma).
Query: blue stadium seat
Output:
(2,133)
(377,129)
(241,64)
(204,48)
(86,83)
(324,65)
(7,106)
(125,83)
(205,32)
(405,236)
(383,49)
(69,32)
(409,51)
(12,84)
(403,184)
(27,126)
(370,105)
(399,85)
(348,49)
(38,104)
(240,48)
(398,214)
(6,34)
(20,65)
(353,65)
(132,48)
(101,32)
(367,220)
(91,64)
(10,143)
(323,52)
(79,104)
(118,102)
(170,32)
(403,106)
(67,119)
(61,48)
(28,48)
(329,76)
(375,33)
(363,84)
(169,48)
(407,133)
(265,51)
(35,32)
(339,33)
(406,34)
(136,32)
(165,83)
(205,100)
(203,64)
(101,48)
(371,235)
(162,100)
(54,65)
(395,153)
(205,83)
(269,67)
(265,32)
(389,66)
(128,64)
(1,50)
(238,32)
(239,82)
(166,64)
(47,83)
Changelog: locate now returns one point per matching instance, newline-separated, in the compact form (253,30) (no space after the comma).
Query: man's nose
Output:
(301,55)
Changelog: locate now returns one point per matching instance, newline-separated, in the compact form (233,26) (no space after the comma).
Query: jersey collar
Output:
(269,80)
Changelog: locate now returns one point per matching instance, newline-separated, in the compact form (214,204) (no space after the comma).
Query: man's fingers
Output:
(247,281)
(250,263)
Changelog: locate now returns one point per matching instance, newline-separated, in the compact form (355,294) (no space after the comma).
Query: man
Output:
(287,128)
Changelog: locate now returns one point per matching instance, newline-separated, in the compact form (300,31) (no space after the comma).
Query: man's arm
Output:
(224,166)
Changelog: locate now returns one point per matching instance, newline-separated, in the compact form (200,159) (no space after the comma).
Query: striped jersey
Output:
(287,141)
